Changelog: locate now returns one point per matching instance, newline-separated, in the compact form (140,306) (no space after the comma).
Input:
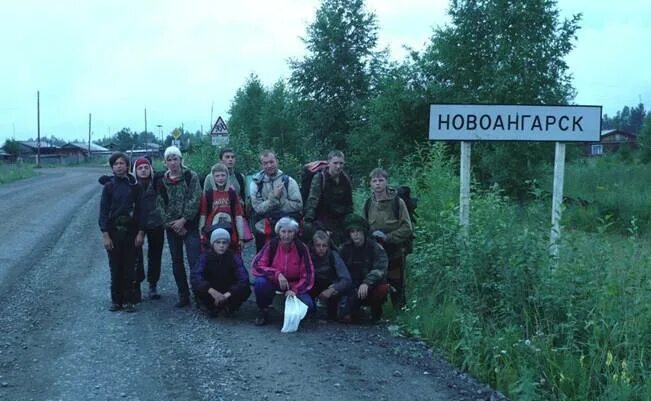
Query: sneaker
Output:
(115,307)
(130,308)
(183,302)
(262,318)
(153,292)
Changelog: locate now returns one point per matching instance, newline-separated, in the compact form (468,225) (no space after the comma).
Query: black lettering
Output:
(512,122)
(560,123)
(457,117)
(498,122)
(536,123)
(471,122)
(523,123)
(485,122)
(576,122)
(446,121)
(549,121)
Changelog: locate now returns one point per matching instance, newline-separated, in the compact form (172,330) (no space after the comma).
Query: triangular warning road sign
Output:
(219,128)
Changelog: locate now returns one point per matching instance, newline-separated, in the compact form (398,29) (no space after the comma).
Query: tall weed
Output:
(536,328)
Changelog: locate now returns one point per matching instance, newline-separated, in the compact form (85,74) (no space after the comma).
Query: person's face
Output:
(173,163)
(286,235)
(220,246)
(120,167)
(269,165)
(220,178)
(357,236)
(320,247)
(143,171)
(335,166)
(378,184)
(228,159)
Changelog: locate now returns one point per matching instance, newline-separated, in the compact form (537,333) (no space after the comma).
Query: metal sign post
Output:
(485,122)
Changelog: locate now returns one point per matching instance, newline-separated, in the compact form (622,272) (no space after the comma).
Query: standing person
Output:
(221,205)
(331,198)
(283,264)
(367,263)
(220,280)
(120,221)
(391,226)
(235,178)
(153,229)
(331,277)
(179,204)
(274,194)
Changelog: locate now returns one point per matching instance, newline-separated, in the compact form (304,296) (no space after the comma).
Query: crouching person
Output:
(219,280)
(332,280)
(367,263)
(283,264)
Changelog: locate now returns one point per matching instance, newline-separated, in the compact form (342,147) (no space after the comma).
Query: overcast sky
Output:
(177,58)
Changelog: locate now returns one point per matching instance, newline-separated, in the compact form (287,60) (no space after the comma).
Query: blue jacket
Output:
(222,272)
(120,200)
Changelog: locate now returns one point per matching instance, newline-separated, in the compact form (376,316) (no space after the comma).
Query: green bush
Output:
(534,327)
(15,172)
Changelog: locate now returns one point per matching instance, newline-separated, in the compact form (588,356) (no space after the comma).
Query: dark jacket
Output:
(329,198)
(367,264)
(331,269)
(222,272)
(152,213)
(120,204)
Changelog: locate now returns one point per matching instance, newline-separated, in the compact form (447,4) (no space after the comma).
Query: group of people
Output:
(316,249)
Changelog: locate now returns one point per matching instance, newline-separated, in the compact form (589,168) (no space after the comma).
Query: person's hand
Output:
(362,291)
(241,243)
(178,225)
(140,239)
(290,293)
(282,282)
(379,235)
(327,293)
(278,190)
(108,242)
(217,296)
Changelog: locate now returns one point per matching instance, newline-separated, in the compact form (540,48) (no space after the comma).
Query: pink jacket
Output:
(295,265)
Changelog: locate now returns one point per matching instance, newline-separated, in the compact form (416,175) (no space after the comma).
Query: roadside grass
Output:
(499,306)
(15,172)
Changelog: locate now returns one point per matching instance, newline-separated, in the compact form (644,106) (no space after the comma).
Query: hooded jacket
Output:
(263,201)
(120,204)
(381,216)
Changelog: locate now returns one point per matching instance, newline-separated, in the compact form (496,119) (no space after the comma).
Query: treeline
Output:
(346,92)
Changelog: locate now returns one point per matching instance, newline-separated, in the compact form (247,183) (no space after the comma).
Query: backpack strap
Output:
(232,200)
(396,207)
(367,205)
(240,180)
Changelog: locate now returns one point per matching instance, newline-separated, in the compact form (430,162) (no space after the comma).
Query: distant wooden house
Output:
(5,157)
(49,152)
(77,152)
(610,141)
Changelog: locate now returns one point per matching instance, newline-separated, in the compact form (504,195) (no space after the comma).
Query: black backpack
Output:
(403,192)
(309,171)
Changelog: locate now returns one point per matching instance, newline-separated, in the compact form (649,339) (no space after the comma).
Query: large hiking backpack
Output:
(403,192)
(309,171)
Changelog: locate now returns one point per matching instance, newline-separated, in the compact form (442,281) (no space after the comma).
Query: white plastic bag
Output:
(295,311)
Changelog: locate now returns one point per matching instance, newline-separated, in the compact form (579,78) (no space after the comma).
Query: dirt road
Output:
(59,342)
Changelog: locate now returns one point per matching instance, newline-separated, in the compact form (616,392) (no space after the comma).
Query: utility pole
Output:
(211,107)
(145,136)
(89,117)
(38,129)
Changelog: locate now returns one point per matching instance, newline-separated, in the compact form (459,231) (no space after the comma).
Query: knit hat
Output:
(286,222)
(139,162)
(355,222)
(173,150)
(218,234)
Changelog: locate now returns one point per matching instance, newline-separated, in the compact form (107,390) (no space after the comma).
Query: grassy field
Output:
(14,172)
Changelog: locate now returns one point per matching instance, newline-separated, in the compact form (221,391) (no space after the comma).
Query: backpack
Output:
(309,171)
(232,200)
(403,192)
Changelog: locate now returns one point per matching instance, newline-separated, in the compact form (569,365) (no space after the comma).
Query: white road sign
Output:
(484,122)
